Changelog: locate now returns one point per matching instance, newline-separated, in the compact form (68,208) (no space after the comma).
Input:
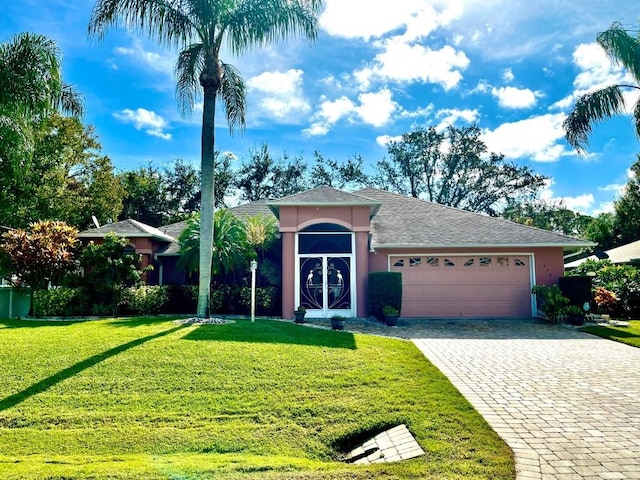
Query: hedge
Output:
(385,288)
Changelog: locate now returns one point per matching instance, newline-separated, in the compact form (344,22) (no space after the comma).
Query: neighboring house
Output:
(628,254)
(454,263)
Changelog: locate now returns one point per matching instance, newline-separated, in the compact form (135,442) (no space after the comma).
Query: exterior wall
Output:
(294,219)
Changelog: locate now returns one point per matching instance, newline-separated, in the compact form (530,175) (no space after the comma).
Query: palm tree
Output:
(230,246)
(622,48)
(31,88)
(198,29)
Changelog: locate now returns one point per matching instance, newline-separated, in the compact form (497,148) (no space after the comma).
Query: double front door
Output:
(325,283)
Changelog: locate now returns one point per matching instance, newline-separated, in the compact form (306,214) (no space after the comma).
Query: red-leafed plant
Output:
(40,255)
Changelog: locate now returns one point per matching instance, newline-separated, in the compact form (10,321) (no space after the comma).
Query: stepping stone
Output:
(392,445)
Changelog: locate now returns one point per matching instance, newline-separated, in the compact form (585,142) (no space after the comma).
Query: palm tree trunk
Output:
(207,206)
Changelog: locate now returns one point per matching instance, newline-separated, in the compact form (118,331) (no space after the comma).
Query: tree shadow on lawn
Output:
(20,323)
(45,384)
(270,331)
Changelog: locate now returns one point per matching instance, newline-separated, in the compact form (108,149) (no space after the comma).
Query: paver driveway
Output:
(566,402)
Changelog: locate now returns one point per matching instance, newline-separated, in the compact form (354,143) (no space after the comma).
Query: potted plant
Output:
(391,315)
(337,322)
(299,314)
(576,315)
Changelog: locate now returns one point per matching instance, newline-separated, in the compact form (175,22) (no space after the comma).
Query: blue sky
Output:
(377,69)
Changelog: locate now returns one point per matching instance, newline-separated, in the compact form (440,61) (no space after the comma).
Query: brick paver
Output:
(566,402)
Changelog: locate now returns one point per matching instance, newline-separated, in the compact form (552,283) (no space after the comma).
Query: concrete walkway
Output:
(567,403)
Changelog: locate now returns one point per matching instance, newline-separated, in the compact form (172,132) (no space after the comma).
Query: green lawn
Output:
(629,335)
(148,398)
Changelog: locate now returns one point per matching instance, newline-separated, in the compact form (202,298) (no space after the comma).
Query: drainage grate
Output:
(391,445)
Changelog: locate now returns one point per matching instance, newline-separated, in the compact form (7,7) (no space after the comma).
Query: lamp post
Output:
(254,267)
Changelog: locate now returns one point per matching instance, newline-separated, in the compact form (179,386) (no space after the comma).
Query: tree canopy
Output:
(454,168)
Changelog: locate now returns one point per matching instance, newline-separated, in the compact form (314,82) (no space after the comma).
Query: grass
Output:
(147,398)
(629,335)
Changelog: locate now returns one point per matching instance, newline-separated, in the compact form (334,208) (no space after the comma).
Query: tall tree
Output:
(66,178)
(627,209)
(31,88)
(199,30)
(348,175)
(623,48)
(454,168)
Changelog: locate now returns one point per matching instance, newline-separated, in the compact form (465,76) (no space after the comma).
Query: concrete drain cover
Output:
(391,445)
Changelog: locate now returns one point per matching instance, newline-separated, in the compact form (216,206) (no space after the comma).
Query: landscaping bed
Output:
(150,398)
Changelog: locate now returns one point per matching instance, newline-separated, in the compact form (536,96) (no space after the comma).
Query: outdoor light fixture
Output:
(254,267)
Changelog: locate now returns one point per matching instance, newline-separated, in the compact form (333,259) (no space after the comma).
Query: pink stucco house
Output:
(454,263)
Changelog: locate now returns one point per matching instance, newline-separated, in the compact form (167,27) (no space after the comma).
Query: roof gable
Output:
(126,228)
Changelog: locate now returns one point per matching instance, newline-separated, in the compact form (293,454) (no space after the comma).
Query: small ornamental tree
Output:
(40,255)
(109,268)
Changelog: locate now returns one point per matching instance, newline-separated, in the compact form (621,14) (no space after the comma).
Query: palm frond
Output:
(258,22)
(166,21)
(188,67)
(232,93)
(621,48)
(71,101)
(589,109)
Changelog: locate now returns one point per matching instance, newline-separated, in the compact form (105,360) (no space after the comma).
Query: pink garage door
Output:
(465,286)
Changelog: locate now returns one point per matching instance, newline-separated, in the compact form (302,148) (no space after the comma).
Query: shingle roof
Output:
(629,253)
(324,196)
(126,228)
(407,222)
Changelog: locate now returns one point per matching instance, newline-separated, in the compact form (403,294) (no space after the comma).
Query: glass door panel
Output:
(312,283)
(338,283)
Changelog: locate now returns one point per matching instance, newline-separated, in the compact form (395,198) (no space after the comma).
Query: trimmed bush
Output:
(60,302)
(385,288)
(143,300)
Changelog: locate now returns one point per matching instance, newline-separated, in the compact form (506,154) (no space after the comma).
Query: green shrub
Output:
(621,280)
(385,288)
(551,301)
(143,300)
(60,302)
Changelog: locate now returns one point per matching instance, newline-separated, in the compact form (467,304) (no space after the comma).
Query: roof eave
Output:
(126,235)
(405,246)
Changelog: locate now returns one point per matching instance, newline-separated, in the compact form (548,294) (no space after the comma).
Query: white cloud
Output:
(450,116)
(536,138)
(512,97)
(280,94)
(418,112)
(147,120)
(159,62)
(383,140)
(367,19)
(507,75)
(402,62)
(596,71)
(375,109)
(606,207)
(580,203)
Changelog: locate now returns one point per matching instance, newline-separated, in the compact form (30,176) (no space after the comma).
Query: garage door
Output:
(465,286)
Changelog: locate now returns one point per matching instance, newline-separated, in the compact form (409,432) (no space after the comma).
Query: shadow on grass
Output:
(628,337)
(45,384)
(37,323)
(267,331)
